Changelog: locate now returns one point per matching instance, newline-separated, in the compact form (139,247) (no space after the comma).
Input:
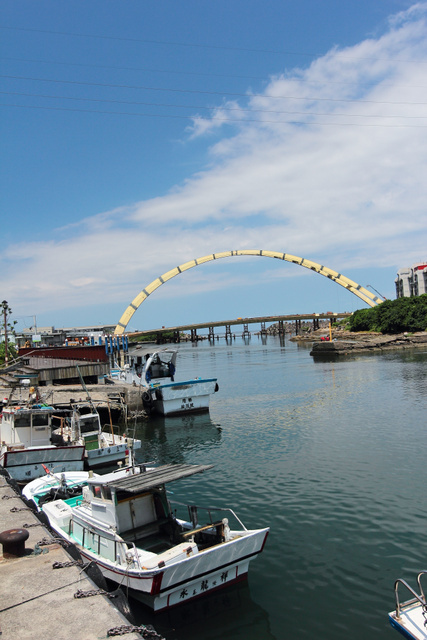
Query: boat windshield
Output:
(89,423)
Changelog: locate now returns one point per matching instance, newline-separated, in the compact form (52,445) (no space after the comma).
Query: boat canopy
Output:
(154,477)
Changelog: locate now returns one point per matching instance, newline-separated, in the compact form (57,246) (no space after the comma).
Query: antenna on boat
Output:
(92,406)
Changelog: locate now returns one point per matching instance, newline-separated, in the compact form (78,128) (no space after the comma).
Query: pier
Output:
(39,600)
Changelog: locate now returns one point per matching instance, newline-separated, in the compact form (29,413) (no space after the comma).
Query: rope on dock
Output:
(145,631)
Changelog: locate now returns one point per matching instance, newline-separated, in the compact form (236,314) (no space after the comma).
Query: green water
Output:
(332,457)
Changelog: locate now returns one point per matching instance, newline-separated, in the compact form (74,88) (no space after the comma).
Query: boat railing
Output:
(193,511)
(420,598)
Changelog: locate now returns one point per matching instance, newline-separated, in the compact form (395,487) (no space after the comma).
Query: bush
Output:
(393,316)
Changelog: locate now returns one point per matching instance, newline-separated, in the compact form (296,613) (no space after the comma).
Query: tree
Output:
(393,316)
(8,328)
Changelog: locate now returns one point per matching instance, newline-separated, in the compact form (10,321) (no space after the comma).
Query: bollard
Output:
(13,542)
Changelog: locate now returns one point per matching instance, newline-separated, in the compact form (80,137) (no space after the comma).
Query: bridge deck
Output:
(242,321)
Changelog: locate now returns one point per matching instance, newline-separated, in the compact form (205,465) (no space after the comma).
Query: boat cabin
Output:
(26,427)
(160,365)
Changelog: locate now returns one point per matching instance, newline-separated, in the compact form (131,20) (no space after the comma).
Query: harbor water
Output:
(331,455)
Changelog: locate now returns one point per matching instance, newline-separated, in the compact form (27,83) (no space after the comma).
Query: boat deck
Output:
(412,623)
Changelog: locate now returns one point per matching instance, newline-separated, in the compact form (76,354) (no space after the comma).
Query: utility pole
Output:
(5,308)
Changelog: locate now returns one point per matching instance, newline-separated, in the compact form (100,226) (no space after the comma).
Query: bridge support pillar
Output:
(228,332)
(194,336)
(315,324)
(297,327)
(246,333)
(281,328)
(263,329)
(176,337)
(211,335)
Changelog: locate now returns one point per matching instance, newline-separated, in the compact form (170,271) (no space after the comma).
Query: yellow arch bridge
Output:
(359,291)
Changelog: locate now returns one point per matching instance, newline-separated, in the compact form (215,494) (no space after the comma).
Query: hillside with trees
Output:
(392,316)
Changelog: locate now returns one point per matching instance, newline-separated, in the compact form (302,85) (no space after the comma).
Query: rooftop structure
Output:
(412,281)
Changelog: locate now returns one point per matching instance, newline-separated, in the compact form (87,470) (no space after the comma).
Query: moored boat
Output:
(54,486)
(101,447)
(410,617)
(161,392)
(127,526)
(26,444)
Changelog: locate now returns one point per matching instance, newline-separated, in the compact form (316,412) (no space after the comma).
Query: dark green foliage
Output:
(392,316)
(10,350)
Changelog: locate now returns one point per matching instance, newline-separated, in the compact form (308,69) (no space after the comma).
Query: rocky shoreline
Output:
(345,343)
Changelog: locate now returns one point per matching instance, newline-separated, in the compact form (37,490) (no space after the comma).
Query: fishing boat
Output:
(54,486)
(101,447)
(26,444)
(410,617)
(161,392)
(128,527)
(62,486)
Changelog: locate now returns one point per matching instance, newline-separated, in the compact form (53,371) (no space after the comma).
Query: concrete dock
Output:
(38,601)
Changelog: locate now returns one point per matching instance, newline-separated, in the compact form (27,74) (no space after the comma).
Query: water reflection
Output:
(168,439)
(227,614)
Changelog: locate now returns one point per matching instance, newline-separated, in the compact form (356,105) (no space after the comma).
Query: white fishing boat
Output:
(101,447)
(54,486)
(26,444)
(410,617)
(62,486)
(161,392)
(127,526)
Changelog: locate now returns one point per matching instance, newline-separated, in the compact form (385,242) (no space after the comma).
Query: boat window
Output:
(91,424)
(23,421)
(106,493)
(97,491)
(40,419)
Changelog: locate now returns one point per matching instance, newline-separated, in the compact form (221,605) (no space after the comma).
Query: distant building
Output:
(411,281)
(51,337)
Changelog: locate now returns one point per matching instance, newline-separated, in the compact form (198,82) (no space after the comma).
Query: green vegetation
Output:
(392,316)
(11,352)
(7,328)
(167,336)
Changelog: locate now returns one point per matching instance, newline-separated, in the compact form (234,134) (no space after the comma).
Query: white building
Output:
(412,281)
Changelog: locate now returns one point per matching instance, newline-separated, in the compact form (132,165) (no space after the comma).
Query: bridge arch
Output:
(359,291)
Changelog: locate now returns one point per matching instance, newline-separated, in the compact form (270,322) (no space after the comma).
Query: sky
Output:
(137,136)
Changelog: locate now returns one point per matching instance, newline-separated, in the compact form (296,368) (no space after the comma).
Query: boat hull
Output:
(106,455)
(161,588)
(24,465)
(182,397)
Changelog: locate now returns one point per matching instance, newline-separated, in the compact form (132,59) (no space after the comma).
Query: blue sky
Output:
(139,135)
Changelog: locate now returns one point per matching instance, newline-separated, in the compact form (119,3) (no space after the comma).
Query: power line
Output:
(190,45)
(182,117)
(86,65)
(203,92)
(221,108)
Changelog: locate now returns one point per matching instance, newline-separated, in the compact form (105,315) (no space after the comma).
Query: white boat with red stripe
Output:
(129,528)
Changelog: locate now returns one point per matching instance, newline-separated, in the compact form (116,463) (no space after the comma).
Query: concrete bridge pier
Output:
(316,324)
(211,336)
(281,328)
(246,333)
(176,337)
(297,327)
(194,336)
